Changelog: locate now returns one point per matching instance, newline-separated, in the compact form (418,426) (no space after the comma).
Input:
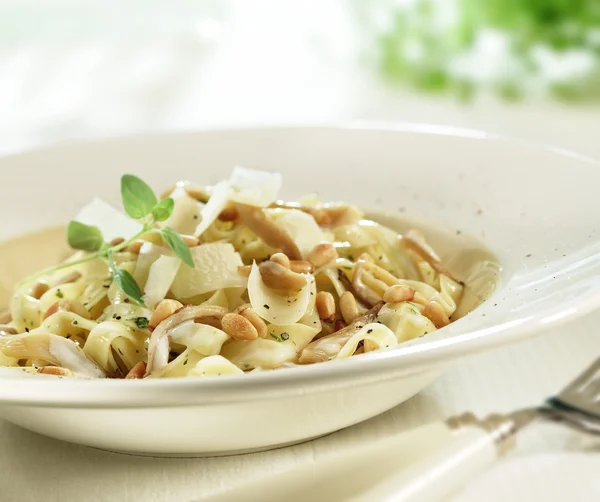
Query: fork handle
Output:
(440,473)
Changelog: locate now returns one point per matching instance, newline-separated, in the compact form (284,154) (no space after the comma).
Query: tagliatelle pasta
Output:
(223,280)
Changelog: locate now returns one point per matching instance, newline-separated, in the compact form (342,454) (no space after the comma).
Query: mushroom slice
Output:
(415,241)
(329,346)
(50,348)
(257,221)
(159,341)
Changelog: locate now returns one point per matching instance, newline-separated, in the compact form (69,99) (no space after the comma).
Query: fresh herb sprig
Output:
(140,203)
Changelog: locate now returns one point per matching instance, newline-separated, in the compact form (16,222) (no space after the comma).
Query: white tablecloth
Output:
(60,92)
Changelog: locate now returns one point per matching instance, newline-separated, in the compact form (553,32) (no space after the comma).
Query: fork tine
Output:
(583,393)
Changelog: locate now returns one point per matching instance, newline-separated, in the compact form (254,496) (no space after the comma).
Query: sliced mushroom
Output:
(329,346)
(160,336)
(257,221)
(361,290)
(415,241)
(53,349)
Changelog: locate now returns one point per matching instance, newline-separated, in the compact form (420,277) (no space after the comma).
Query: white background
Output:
(72,70)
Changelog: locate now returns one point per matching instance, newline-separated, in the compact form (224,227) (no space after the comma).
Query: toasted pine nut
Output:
(55,370)
(238,327)
(116,241)
(256,320)
(276,276)
(135,246)
(5,316)
(138,371)
(325,304)
(398,293)
(7,330)
(38,289)
(322,254)
(369,345)
(301,266)
(282,259)
(229,214)
(245,270)
(419,299)
(67,306)
(348,307)
(164,309)
(190,240)
(321,216)
(436,314)
(70,277)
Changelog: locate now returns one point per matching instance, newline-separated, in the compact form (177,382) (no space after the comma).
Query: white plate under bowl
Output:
(535,207)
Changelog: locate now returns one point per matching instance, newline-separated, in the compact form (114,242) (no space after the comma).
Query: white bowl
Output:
(535,207)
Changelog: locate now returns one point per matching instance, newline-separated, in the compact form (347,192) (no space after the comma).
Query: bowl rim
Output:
(396,362)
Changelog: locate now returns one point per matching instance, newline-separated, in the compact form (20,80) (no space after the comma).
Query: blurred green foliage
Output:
(418,46)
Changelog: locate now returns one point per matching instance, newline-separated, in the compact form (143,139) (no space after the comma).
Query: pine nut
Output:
(322,254)
(135,246)
(164,309)
(67,306)
(397,294)
(69,278)
(55,370)
(436,314)
(38,289)
(301,267)
(348,307)
(238,327)
(190,240)
(282,259)
(116,241)
(276,276)
(138,371)
(256,320)
(229,214)
(325,304)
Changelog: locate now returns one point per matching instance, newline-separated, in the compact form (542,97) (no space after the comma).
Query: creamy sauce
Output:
(465,257)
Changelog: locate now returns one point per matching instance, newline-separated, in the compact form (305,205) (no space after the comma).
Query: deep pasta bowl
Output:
(515,222)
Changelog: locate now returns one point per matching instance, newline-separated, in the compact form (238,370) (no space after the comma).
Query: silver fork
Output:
(475,443)
(425,464)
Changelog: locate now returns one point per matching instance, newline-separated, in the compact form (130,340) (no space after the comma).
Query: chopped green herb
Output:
(75,323)
(59,293)
(120,351)
(266,306)
(275,337)
(142,322)
(185,362)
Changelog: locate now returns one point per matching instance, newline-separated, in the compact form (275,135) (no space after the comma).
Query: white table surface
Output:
(41,104)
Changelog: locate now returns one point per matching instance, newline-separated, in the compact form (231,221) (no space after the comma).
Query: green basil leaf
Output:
(84,237)
(163,209)
(175,242)
(138,197)
(125,281)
